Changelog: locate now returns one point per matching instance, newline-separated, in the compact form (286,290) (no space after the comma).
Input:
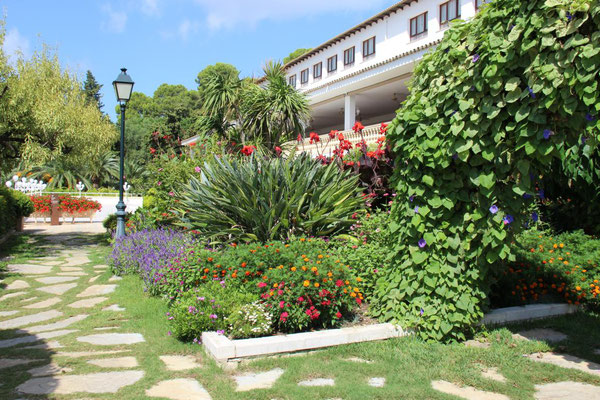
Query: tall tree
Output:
(227,72)
(295,54)
(91,88)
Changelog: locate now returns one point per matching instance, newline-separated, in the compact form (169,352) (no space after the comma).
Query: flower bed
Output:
(551,266)
(74,207)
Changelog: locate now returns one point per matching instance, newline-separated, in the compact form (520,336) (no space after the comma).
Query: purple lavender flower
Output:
(583,140)
(476,58)
(531,92)
(541,194)
(590,117)
(535,217)
(508,219)
(548,133)
(411,198)
(569,16)
(494,209)
(416,209)
(526,196)
(422,243)
(422,311)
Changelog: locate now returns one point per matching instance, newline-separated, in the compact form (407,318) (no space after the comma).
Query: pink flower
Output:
(197,169)
(262,284)
(158,183)
(283,317)
(171,194)
(281,304)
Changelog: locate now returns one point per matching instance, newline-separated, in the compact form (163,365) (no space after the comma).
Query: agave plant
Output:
(261,199)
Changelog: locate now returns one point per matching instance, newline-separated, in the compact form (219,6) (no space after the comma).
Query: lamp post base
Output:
(120,219)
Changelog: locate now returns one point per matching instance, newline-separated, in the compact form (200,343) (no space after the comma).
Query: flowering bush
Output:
(250,320)
(148,251)
(549,267)
(205,308)
(66,203)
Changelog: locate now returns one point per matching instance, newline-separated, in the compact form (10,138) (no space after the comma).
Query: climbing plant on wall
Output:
(501,97)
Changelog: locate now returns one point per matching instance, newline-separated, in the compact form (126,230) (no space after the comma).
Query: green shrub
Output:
(23,204)
(203,309)
(13,205)
(261,199)
(498,100)
(551,266)
(250,320)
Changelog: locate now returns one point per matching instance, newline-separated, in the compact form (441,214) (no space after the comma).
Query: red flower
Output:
(278,150)
(338,314)
(358,127)
(340,136)
(261,284)
(152,150)
(314,137)
(339,283)
(299,138)
(383,128)
(248,150)
(283,316)
(332,134)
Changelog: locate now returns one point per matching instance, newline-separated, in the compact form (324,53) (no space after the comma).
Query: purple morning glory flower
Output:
(541,194)
(583,140)
(548,133)
(494,209)
(422,243)
(476,58)
(422,311)
(455,156)
(569,16)
(590,117)
(508,219)
(531,92)
(416,209)
(411,198)
(535,217)
(526,196)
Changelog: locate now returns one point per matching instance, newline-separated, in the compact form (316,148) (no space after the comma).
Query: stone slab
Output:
(261,380)
(115,278)
(358,360)
(11,295)
(30,319)
(92,280)
(16,285)
(44,303)
(49,345)
(114,307)
(493,374)
(180,363)
(103,382)
(544,335)
(317,382)
(58,289)
(8,313)
(88,303)
(34,338)
(101,266)
(118,362)
(567,391)
(377,382)
(57,325)
(75,261)
(71,269)
(30,269)
(48,370)
(567,361)
(179,389)
(49,280)
(13,362)
(29,299)
(79,354)
(110,339)
(71,273)
(97,290)
(466,392)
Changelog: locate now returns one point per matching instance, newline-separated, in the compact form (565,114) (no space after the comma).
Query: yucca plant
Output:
(262,199)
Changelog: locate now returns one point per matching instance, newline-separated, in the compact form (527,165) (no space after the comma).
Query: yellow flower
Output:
(359,279)
(306,283)
(314,269)
(320,256)
(562,245)
(293,269)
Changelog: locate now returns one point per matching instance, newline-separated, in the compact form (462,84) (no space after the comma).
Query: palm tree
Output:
(59,174)
(105,170)
(276,112)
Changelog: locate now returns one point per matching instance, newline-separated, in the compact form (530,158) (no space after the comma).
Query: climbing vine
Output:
(490,108)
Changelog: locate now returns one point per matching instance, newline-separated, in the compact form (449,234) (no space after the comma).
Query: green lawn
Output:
(408,364)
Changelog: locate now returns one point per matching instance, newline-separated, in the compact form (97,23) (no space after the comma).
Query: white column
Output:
(349,111)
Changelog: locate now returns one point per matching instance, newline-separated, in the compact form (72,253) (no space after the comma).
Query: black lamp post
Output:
(123,87)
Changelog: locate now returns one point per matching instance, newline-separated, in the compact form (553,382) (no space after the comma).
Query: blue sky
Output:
(170,41)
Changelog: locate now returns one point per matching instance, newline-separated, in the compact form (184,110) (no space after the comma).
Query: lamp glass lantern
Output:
(123,86)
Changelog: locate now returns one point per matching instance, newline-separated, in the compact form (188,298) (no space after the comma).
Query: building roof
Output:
(390,10)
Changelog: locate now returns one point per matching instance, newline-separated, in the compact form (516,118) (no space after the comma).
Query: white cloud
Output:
(150,7)
(117,20)
(230,13)
(15,43)
(187,27)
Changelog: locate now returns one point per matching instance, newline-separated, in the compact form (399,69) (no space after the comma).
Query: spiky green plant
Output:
(262,199)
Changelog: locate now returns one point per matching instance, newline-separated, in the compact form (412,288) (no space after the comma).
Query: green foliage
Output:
(261,199)
(550,266)
(8,210)
(23,204)
(250,320)
(499,99)
(91,88)
(204,309)
(295,54)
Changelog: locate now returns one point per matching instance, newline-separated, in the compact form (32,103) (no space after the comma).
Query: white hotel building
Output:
(362,74)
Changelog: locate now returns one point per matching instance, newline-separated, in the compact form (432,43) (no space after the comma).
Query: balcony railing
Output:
(327,145)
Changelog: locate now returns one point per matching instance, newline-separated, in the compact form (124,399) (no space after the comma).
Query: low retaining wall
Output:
(224,349)
(109,206)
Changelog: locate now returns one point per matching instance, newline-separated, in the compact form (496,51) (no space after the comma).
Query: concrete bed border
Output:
(224,349)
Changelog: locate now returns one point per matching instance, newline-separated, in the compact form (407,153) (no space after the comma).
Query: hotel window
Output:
(349,56)
(369,47)
(292,81)
(332,64)
(448,11)
(479,3)
(418,25)
(304,76)
(318,70)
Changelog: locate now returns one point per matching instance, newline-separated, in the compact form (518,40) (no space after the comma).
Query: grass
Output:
(409,365)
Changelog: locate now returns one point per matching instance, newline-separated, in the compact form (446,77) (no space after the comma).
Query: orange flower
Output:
(210,259)
(306,283)
(244,264)
(317,284)
(293,269)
